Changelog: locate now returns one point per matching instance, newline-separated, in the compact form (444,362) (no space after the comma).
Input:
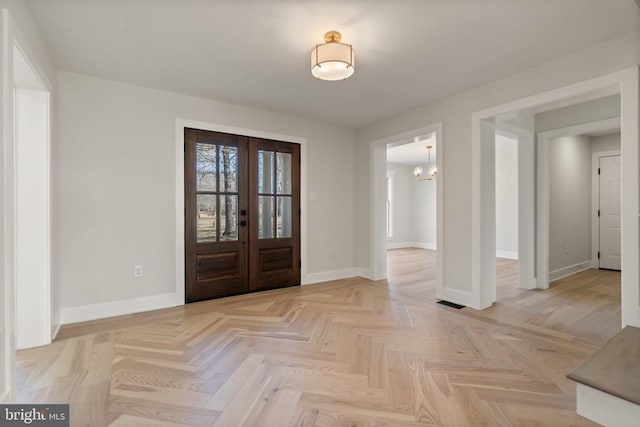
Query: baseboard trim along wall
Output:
(327,276)
(84,313)
(507,254)
(364,272)
(569,270)
(401,245)
(155,302)
(54,332)
(458,297)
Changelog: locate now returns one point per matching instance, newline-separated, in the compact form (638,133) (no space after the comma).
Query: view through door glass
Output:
(275,207)
(242,223)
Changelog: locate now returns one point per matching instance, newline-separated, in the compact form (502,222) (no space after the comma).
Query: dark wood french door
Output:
(242,214)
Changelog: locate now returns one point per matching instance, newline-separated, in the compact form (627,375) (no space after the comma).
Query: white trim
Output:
(13,39)
(506,254)
(419,245)
(595,203)
(604,408)
(54,332)
(483,231)
(543,193)
(104,310)
(389,202)
(377,166)
(563,272)
(457,297)
(364,272)
(181,124)
(525,253)
(7,201)
(328,276)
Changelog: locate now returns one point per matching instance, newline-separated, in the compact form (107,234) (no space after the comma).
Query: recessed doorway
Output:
(242,214)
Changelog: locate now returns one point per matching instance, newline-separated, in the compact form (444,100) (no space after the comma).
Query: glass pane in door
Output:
(283,218)
(228,167)
(206,222)
(228,218)
(265,217)
(283,173)
(265,171)
(206,167)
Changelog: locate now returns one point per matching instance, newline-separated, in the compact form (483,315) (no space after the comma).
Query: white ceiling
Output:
(256,53)
(413,153)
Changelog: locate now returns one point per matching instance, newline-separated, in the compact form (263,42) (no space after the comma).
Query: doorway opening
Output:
(411,210)
(29,312)
(242,216)
(422,203)
(506,165)
(35,325)
(535,227)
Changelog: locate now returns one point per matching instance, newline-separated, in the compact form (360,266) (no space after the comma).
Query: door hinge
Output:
(598,171)
(300,263)
(598,213)
(598,255)
(300,213)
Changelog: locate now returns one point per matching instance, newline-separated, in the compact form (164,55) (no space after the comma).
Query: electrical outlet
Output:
(137,271)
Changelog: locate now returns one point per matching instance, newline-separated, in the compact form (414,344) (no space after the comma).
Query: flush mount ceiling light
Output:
(332,60)
(431,170)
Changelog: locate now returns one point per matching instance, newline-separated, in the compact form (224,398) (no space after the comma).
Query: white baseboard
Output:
(401,245)
(457,297)
(604,408)
(116,308)
(364,272)
(507,254)
(569,270)
(327,276)
(55,330)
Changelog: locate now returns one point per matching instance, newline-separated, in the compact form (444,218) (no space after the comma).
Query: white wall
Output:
(506,197)
(414,209)
(569,202)
(609,142)
(424,214)
(33,308)
(586,112)
(115,186)
(455,113)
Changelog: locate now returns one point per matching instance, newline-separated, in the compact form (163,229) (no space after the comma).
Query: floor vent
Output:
(451,304)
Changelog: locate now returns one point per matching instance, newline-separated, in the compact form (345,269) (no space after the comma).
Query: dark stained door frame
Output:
(250,259)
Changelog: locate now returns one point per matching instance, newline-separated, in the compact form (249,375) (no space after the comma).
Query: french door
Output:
(242,214)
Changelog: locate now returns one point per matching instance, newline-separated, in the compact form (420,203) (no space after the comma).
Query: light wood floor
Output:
(349,353)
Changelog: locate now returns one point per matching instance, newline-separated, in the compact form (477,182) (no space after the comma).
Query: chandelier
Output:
(431,170)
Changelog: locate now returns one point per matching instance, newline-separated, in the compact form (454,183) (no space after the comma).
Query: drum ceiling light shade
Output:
(332,60)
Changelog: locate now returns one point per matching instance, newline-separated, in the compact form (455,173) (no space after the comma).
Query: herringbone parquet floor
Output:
(346,353)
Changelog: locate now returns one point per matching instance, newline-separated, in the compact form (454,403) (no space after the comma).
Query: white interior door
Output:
(610,213)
